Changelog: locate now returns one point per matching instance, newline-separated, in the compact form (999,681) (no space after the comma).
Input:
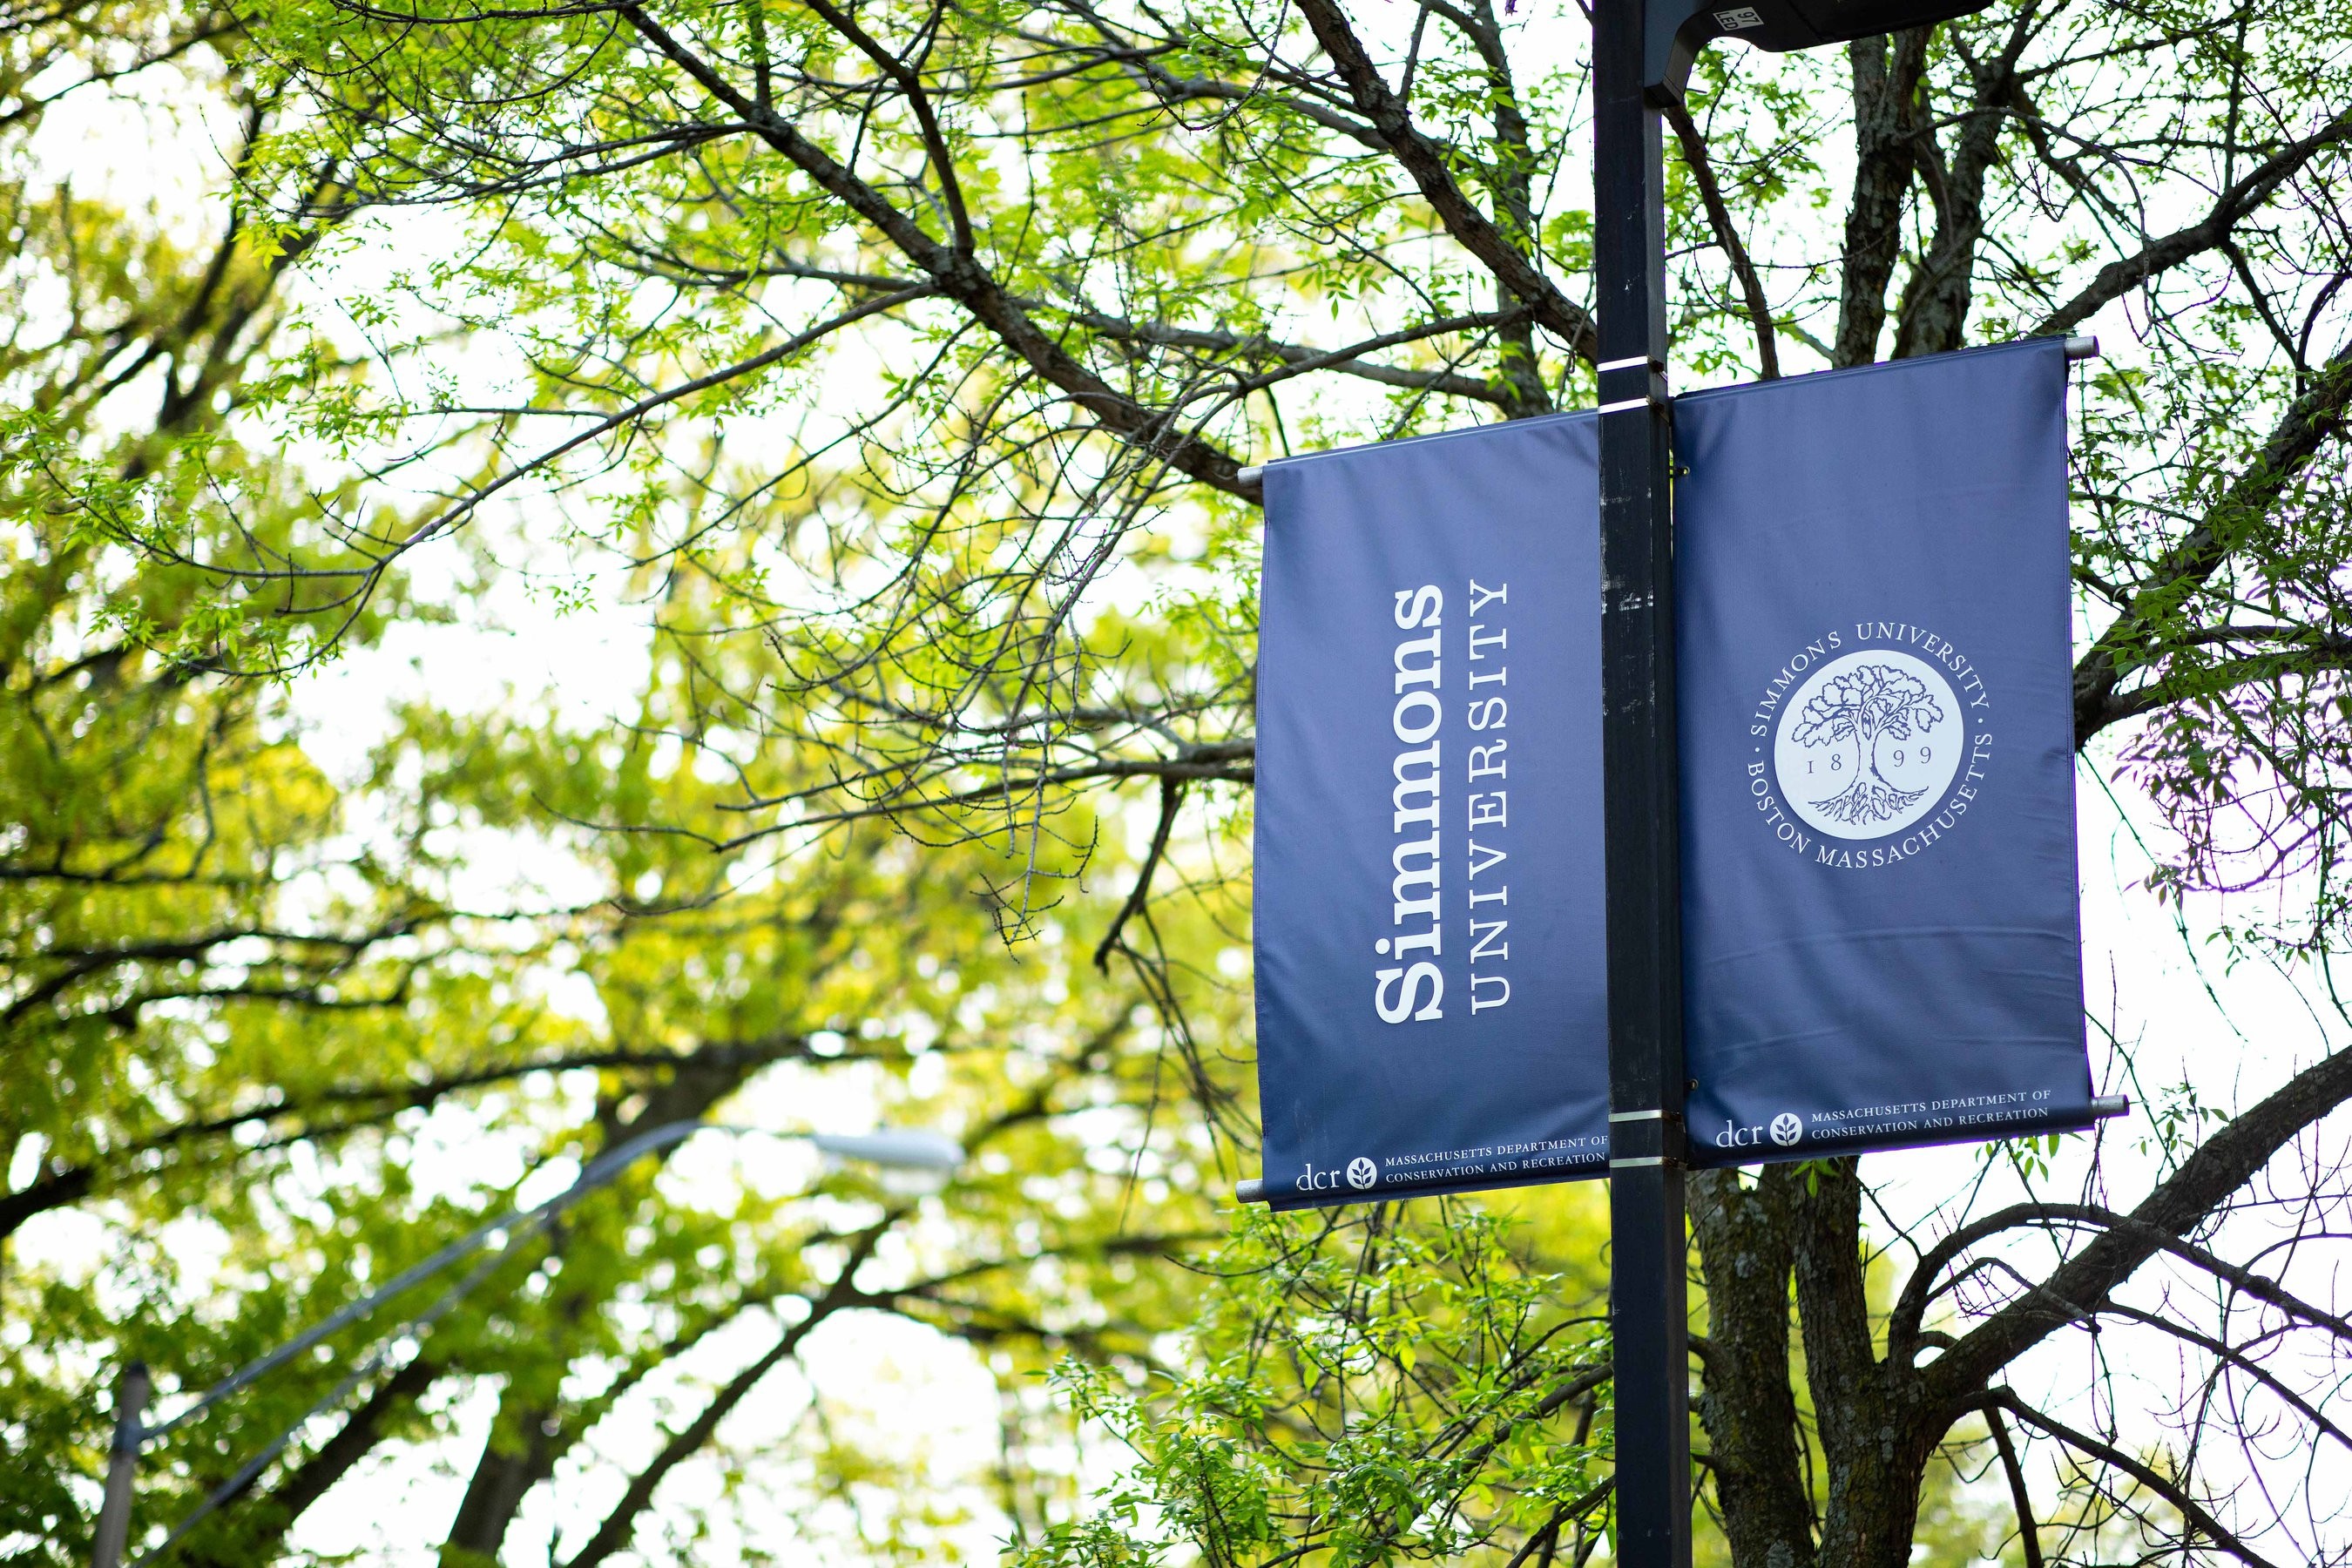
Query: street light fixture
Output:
(1675,30)
(894,1148)
(934,1155)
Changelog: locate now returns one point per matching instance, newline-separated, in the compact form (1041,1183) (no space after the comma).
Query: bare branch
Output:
(2229,209)
(2028,1536)
(1718,218)
(2223,1164)
(2146,1475)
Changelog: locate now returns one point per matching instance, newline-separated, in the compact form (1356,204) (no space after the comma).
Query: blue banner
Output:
(1880,937)
(1879,894)
(1432,1012)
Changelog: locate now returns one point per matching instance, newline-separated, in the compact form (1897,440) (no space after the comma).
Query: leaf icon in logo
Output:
(1787,1128)
(1363,1172)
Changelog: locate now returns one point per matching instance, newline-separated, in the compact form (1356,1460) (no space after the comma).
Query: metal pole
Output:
(1648,1301)
(130,1392)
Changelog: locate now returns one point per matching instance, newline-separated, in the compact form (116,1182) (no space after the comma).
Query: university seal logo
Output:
(1869,745)
(1866,746)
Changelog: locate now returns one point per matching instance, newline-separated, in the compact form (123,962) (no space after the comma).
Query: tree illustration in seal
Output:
(1866,705)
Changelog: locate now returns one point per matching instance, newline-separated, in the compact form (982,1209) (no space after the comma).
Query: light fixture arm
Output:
(1674,31)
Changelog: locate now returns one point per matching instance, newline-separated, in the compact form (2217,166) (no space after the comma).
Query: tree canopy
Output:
(897,364)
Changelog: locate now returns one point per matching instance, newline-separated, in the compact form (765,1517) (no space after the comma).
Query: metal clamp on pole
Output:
(1638,381)
(1640,1139)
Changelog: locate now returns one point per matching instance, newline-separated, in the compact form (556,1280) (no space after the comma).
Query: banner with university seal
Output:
(1881,941)
(1431,1006)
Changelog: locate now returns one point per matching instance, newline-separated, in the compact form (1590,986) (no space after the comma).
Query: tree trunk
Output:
(1746,1402)
(502,1477)
(519,1451)
(1802,1223)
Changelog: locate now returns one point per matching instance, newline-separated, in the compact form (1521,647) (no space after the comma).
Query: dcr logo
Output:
(1361,1174)
(1786,1129)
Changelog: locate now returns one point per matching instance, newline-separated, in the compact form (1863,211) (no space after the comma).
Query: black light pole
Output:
(1648,1302)
(1642,52)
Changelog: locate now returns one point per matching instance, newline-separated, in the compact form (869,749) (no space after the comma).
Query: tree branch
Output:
(61,1186)
(2029,1536)
(1886,126)
(1904,1336)
(774,355)
(960,276)
(1171,796)
(2225,1163)
(2230,208)
(1746,1247)
(1937,296)
(619,1526)
(353,1441)
(2146,1475)
(1348,360)
(1726,236)
(1424,162)
(2136,636)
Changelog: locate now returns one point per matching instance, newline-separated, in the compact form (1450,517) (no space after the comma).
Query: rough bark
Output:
(1868,1419)
(1886,77)
(1934,311)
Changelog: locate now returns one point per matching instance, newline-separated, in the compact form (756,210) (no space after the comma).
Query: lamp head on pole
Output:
(912,1161)
(894,1148)
(1674,31)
